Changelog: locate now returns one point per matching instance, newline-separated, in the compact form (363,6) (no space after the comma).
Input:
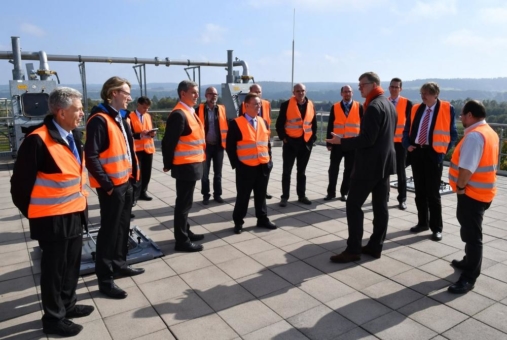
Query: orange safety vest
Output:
(294,125)
(114,160)
(222,121)
(190,149)
(266,109)
(252,149)
(346,126)
(442,131)
(60,193)
(482,184)
(143,144)
(401,109)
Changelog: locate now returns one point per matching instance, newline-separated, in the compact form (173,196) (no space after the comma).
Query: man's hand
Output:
(337,139)
(110,192)
(165,170)
(411,148)
(329,148)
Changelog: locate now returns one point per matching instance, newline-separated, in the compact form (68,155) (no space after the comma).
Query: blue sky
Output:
(335,40)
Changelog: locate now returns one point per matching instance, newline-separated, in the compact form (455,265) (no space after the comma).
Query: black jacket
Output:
(282,118)
(217,124)
(375,154)
(177,126)
(97,141)
(33,156)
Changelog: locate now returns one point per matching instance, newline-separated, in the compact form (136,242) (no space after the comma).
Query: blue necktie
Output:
(73,147)
(253,121)
(347,109)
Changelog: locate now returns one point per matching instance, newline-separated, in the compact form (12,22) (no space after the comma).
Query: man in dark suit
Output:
(249,152)
(375,161)
(183,153)
(428,135)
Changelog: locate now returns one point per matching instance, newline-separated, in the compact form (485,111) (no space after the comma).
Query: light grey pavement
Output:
(277,284)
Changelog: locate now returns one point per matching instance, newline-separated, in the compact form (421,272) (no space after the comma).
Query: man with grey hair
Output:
(47,187)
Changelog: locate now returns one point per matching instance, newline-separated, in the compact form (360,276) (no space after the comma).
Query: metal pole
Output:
(230,78)
(293,40)
(82,72)
(145,83)
(17,72)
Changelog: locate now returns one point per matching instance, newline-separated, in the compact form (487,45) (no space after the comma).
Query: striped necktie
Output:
(423,131)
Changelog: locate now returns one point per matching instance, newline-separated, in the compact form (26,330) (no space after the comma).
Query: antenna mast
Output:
(293,35)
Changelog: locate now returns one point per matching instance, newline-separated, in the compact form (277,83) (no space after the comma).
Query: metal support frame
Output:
(82,72)
(141,78)
(193,68)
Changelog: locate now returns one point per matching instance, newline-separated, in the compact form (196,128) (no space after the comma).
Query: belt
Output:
(422,146)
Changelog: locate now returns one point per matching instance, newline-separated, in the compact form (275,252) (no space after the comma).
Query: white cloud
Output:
(493,15)
(320,5)
(212,34)
(433,9)
(32,30)
(467,38)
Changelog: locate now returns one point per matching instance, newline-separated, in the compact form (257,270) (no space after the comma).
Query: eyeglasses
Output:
(125,92)
(395,87)
(362,84)
(212,94)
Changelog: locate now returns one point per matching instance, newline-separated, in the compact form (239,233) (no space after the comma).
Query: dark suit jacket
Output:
(375,155)
(217,124)
(176,126)
(411,129)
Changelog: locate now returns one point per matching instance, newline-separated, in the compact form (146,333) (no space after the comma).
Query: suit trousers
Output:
(146,164)
(427,175)
(334,168)
(401,160)
(115,210)
(470,214)
(250,178)
(60,264)
(184,201)
(292,152)
(214,153)
(359,191)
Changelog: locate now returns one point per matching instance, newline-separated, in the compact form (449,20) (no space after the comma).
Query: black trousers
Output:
(214,153)
(115,210)
(470,214)
(250,178)
(292,152)
(427,175)
(184,200)
(334,168)
(146,164)
(401,160)
(60,264)
(359,191)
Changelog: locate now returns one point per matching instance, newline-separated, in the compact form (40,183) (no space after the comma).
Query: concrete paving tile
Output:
(357,334)
(164,289)
(18,305)
(222,254)
(240,267)
(324,264)
(330,242)
(495,316)
(108,306)
(411,256)
(392,294)
(297,272)
(498,271)
(321,323)
(181,309)
(205,278)
(303,249)
(325,288)
(154,270)
(494,254)
(253,246)
(281,330)
(93,284)
(14,257)
(95,329)
(420,281)
(442,269)
(308,232)
(396,326)
(163,334)
(472,329)
(332,226)
(212,241)
(491,288)
(249,316)
(500,244)
(358,308)
(206,327)
(289,302)
(433,248)
(225,295)
(433,315)
(188,262)
(134,323)
(229,237)
(27,326)
(281,238)
(387,267)
(357,277)
(12,246)
(273,258)
(470,303)
(19,286)
(263,283)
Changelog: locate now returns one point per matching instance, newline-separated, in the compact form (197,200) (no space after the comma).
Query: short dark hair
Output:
(476,108)
(184,85)
(431,87)
(398,80)
(371,76)
(250,96)
(143,100)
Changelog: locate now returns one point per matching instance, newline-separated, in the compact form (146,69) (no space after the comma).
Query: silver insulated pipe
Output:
(17,72)
(43,58)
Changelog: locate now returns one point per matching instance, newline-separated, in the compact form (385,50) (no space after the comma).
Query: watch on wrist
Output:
(460,188)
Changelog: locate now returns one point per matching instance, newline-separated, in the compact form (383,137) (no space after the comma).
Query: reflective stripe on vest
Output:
(114,160)
(222,121)
(190,149)
(482,184)
(252,149)
(142,144)
(59,193)
(294,126)
(346,126)
(441,136)
(401,110)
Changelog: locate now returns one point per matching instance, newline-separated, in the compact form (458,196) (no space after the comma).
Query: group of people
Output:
(374,139)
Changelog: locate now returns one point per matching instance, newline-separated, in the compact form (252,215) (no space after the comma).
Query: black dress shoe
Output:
(419,228)
(195,237)
(345,257)
(238,229)
(134,203)
(80,311)
(329,197)
(205,200)
(304,200)
(437,236)
(343,198)
(368,251)
(63,328)
(459,264)
(268,196)
(113,291)
(129,271)
(283,202)
(402,206)
(145,197)
(461,287)
(266,224)
(188,247)
(132,216)
(218,199)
